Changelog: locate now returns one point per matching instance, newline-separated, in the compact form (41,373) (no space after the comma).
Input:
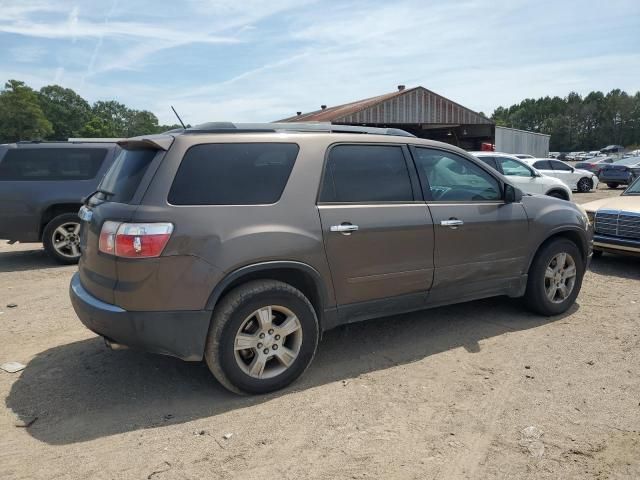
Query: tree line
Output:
(58,113)
(578,123)
(574,122)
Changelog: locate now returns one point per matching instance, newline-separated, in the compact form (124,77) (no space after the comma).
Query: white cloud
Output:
(291,55)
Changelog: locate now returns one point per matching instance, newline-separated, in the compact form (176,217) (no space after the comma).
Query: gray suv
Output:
(241,244)
(42,185)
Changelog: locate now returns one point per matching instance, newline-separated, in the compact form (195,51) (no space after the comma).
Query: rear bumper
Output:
(616,244)
(179,334)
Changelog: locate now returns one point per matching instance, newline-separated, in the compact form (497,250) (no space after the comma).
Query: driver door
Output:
(480,240)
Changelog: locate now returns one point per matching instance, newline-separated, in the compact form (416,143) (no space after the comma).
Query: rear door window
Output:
(41,164)
(366,174)
(124,176)
(233,174)
(563,167)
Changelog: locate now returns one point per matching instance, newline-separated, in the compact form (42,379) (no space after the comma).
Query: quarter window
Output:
(39,164)
(366,173)
(452,178)
(233,174)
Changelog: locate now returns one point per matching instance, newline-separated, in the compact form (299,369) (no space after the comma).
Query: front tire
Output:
(263,336)
(61,238)
(555,278)
(585,185)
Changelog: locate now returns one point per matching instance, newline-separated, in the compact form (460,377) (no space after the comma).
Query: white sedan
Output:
(575,178)
(525,177)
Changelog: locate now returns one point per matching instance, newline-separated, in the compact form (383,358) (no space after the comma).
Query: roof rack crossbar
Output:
(314,127)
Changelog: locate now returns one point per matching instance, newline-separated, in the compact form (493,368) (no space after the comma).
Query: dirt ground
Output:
(478,390)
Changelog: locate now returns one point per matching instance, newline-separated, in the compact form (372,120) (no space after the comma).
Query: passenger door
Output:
(480,240)
(377,231)
(565,173)
(520,174)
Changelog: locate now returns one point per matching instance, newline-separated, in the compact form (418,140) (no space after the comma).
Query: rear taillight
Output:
(134,240)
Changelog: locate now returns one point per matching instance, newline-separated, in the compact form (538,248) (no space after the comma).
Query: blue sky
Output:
(260,60)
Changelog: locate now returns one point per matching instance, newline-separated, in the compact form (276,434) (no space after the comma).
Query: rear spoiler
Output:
(158,142)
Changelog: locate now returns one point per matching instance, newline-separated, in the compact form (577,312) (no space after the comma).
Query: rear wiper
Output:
(86,199)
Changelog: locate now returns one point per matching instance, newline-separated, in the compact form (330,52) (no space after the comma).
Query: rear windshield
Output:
(233,174)
(124,176)
(40,164)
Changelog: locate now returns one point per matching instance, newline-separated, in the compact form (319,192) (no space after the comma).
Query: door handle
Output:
(452,223)
(344,228)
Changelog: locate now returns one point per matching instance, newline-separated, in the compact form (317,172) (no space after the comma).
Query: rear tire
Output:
(259,314)
(61,238)
(546,272)
(612,185)
(585,185)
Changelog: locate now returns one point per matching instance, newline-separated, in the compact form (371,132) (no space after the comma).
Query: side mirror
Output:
(512,194)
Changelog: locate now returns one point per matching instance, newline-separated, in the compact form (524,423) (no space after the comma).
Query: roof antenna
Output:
(179,119)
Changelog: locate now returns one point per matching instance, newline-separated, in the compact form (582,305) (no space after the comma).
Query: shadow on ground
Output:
(23,260)
(82,391)
(624,266)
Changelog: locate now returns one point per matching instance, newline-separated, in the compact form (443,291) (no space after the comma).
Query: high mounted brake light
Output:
(134,240)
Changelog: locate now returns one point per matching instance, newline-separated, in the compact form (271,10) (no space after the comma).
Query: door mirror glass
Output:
(512,194)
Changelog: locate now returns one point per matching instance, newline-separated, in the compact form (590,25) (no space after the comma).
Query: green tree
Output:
(21,117)
(141,123)
(67,111)
(113,117)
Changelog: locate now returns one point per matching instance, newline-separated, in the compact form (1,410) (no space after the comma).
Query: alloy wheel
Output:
(66,240)
(584,185)
(268,342)
(560,277)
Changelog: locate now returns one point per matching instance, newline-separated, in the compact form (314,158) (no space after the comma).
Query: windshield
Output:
(124,176)
(633,189)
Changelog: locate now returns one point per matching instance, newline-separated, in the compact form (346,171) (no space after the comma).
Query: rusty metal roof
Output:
(414,105)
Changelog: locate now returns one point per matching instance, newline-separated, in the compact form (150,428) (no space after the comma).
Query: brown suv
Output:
(242,243)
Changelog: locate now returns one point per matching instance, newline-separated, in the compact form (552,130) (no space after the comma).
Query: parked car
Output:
(525,177)
(594,165)
(620,172)
(576,179)
(617,222)
(241,243)
(42,185)
(522,156)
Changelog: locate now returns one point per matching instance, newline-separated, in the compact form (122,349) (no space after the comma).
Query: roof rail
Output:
(314,127)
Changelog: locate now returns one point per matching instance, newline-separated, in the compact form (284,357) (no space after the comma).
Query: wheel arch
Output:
(297,274)
(570,234)
(565,195)
(55,209)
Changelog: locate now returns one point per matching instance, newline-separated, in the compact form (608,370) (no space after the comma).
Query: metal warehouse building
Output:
(417,110)
(510,140)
